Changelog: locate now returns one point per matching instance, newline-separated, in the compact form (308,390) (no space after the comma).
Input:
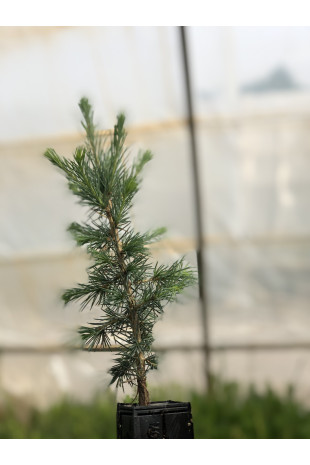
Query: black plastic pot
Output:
(158,420)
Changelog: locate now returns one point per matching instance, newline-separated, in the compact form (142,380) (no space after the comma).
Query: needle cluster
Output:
(123,281)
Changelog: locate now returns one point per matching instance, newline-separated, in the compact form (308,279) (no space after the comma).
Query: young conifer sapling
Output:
(123,281)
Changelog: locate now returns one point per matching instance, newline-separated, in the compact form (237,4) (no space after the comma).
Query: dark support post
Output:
(202,272)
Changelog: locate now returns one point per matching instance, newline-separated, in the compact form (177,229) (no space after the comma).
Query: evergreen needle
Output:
(123,282)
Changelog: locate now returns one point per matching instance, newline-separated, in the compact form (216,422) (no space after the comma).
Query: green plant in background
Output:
(227,413)
(123,281)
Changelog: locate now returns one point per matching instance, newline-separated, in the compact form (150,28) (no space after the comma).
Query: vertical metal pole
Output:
(202,272)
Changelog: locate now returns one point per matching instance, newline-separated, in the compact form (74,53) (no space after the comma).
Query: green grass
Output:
(227,413)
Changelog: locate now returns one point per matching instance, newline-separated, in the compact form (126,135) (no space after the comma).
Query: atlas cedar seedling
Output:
(123,281)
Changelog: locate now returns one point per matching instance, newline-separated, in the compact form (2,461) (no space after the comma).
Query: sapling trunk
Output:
(143,394)
(129,289)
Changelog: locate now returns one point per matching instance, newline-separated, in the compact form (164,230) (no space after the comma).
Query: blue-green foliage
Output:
(123,281)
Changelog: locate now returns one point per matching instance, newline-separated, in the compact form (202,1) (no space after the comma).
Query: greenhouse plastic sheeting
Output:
(254,161)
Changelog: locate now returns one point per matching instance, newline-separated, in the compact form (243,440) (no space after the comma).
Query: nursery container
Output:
(158,420)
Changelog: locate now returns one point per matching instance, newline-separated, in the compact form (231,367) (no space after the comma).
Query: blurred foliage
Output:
(229,412)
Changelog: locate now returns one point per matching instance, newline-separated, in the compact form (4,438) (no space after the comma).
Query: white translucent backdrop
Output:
(254,167)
